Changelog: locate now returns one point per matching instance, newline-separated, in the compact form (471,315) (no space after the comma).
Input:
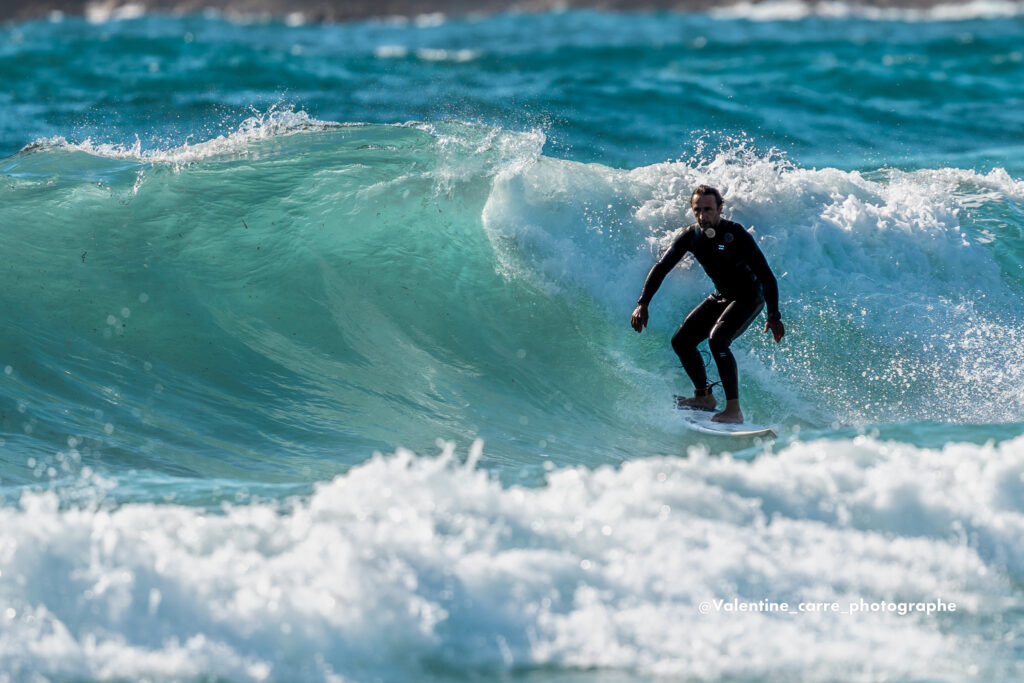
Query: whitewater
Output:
(317,361)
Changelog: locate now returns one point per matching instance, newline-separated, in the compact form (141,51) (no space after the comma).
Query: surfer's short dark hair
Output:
(702,190)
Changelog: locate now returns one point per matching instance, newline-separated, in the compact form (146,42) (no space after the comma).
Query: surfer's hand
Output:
(776,328)
(639,318)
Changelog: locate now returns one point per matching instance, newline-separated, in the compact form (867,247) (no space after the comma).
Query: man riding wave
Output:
(744,283)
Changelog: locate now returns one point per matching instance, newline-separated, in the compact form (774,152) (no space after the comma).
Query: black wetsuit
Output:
(744,283)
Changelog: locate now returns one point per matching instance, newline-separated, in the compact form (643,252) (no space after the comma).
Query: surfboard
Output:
(700,421)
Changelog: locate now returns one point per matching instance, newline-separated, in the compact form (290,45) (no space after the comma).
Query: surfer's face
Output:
(706,210)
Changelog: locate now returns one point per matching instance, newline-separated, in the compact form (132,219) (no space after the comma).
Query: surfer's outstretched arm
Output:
(657,275)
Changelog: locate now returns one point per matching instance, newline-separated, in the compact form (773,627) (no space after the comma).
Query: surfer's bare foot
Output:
(732,413)
(701,400)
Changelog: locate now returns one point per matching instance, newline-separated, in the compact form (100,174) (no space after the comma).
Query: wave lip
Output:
(274,123)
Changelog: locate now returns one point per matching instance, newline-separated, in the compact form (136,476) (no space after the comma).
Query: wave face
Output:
(350,288)
(220,311)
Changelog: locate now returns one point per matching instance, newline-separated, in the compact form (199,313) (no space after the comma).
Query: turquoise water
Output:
(317,363)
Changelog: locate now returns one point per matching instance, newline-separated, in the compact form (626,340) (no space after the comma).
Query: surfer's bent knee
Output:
(719,342)
(681,341)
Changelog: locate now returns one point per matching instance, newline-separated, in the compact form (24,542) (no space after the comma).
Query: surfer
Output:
(743,284)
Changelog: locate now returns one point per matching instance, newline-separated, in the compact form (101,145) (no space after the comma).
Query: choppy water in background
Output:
(242,257)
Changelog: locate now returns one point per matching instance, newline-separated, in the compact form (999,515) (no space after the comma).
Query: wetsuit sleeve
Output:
(665,264)
(764,275)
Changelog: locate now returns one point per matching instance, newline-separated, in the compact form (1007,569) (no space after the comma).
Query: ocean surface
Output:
(316,358)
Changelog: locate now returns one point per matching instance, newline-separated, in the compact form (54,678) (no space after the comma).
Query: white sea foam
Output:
(439,55)
(112,10)
(819,222)
(407,560)
(795,10)
(429,20)
(426,53)
(391,52)
(886,289)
